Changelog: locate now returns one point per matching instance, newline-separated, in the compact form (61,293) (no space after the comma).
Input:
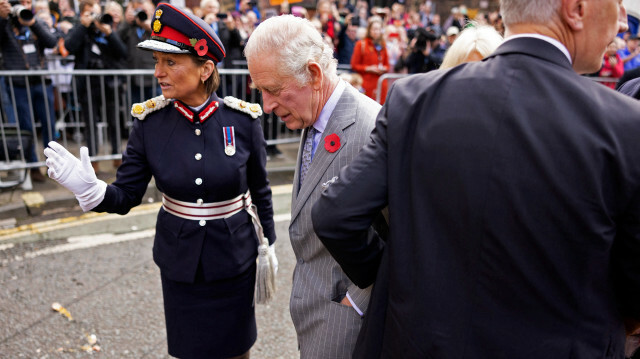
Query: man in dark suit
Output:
(513,190)
(631,88)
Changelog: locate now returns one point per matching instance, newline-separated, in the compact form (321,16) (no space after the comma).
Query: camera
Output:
(422,37)
(19,11)
(104,19)
(222,16)
(141,15)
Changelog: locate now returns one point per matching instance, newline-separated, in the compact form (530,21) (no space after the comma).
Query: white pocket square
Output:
(329,182)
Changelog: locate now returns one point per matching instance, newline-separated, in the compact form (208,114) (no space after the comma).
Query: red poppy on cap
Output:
(201,47)
(180,32)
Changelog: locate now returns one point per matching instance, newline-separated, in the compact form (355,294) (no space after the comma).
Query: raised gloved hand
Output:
(76,175)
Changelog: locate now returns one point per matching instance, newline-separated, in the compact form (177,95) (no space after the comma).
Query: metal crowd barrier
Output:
(92,108)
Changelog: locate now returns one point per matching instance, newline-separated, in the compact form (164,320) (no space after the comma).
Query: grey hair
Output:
(204,3)
(528,11)
(296,42)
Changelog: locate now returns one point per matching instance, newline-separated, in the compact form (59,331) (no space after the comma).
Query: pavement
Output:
(47,211)
(113,291)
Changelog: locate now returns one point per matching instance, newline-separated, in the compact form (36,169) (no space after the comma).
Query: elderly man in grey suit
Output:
(296,74)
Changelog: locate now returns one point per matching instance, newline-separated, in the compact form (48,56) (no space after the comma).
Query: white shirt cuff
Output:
(353,304)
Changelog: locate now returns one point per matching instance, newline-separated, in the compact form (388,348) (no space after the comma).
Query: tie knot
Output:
(312,132)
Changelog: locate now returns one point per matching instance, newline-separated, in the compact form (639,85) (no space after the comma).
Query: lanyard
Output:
(25,36)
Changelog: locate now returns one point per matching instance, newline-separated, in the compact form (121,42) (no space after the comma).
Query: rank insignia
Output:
(138,109)
(157,26)
(252,109)
(229,140)
(141,110)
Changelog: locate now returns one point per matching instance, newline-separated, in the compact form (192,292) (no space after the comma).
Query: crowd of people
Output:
(504,227)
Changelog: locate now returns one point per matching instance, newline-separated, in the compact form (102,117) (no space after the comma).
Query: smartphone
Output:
(222,15)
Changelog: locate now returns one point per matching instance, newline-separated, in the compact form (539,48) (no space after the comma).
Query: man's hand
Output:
(346,301)
(632,326)
(210,18)
(103,28)
(5,9)
(146,25)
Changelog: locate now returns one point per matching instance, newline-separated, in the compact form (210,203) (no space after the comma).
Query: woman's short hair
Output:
(483,40)
(295,42)
(528,11)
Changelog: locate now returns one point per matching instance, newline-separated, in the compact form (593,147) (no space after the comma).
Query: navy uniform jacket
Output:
(513,187)
(164,145)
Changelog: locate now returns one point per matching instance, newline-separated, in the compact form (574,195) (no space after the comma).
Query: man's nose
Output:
(268,102)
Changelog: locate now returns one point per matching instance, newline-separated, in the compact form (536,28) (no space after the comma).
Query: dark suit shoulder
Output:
(631,88)
(412,86)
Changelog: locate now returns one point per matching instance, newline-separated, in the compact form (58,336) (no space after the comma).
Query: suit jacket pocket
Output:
(168,231)
(239,246)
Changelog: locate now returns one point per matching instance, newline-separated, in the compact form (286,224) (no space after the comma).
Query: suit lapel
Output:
(342,117)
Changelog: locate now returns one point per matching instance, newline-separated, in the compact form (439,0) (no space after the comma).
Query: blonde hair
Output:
(483,40)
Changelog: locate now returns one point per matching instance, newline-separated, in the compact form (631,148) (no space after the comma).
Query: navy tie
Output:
(306,153)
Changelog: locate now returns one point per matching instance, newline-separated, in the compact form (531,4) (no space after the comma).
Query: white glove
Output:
(271,251)
(75,175)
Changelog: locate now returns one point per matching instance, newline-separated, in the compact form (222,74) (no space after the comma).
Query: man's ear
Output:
(317,76)
(572,13)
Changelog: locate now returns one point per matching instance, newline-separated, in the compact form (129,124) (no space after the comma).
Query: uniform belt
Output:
(207,211)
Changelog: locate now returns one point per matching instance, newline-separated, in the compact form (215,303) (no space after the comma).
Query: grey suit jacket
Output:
(326,328)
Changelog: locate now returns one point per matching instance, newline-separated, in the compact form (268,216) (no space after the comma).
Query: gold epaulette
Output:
(141,110)
(253,109)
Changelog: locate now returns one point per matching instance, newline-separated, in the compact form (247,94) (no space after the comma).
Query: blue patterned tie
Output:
(306,153)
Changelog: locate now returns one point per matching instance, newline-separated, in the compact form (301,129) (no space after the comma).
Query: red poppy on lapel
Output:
(332,143)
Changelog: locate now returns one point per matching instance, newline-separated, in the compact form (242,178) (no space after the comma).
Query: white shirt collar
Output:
(548,39)
(327,110)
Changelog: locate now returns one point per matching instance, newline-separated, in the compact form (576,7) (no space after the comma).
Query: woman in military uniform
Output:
(208,159)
